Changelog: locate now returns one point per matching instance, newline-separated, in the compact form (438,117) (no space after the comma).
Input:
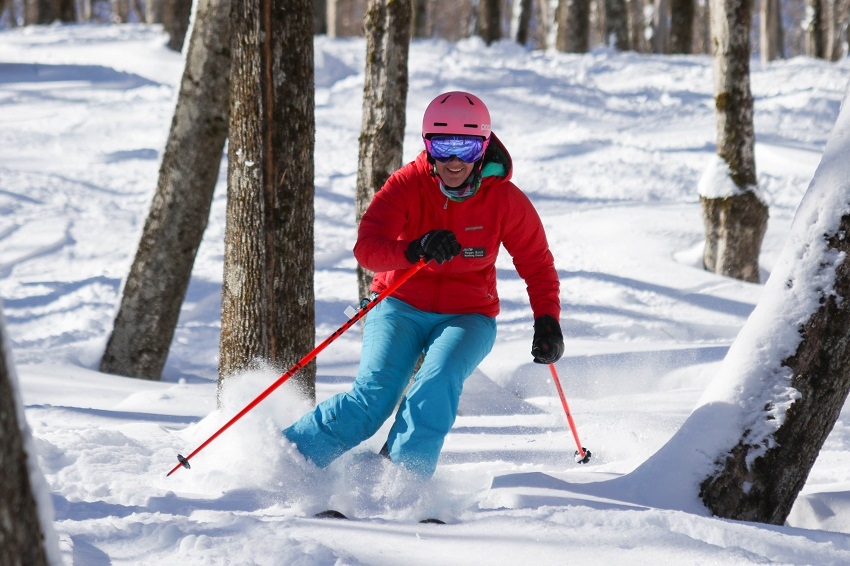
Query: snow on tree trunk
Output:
(735,217)
(384,106)
(808,377)
(158,279)
(268,303)
(26,534)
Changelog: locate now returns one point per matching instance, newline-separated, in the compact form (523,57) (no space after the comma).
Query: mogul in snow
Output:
(454,206)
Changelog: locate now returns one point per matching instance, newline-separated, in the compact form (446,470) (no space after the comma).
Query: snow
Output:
(609,146)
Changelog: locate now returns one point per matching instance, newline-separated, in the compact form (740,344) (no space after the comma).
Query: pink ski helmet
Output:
(456,112)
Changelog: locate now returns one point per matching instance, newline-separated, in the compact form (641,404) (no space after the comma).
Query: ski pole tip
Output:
(582,457)
(183,462)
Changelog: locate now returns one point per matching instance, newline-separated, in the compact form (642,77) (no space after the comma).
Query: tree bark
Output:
(661,27)
(160,274)
(419,25)
(22,541)
(682,26)
(490,20)
(573,26)
(765,490)
(176,15)
(734,224)
(524,21)
(815,42)
(384,106)
(771,35)
(617,24)
(268,304)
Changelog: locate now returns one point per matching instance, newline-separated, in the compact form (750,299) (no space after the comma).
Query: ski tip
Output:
(432,521)
(330,514)
(582,459)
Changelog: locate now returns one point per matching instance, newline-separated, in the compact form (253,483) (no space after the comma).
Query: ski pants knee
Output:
(394,335)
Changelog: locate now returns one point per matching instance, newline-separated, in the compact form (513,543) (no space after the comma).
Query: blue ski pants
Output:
(394,335)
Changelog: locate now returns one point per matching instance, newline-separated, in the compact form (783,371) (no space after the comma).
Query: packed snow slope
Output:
(609,146)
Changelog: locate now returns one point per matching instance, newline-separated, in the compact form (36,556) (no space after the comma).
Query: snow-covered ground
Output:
(609,146)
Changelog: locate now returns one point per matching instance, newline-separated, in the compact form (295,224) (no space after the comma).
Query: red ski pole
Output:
(582,455)
(361,312)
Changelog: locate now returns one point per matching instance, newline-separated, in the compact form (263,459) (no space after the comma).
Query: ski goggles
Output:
(468,149)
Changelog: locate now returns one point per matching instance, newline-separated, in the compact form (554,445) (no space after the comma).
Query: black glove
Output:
(548,343)
(439,245)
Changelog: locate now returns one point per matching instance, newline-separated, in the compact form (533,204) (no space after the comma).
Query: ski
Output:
(330,514)
(334,514)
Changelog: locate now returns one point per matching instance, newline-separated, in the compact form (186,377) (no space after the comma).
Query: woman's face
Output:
(453,172)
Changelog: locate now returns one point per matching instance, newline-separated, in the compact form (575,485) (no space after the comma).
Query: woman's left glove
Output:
(547,347)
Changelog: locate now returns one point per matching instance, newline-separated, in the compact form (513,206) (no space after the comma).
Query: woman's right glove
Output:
(548,343)
(439,245)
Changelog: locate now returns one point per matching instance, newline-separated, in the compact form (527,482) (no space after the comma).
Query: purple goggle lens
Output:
(468,149)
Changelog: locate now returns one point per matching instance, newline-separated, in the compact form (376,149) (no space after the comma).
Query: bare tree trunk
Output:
(682,26)
(162,268)
(771,31)
(22,540)
(734,223)
(320,17)
(814,26)
(661,27)
(268,303)
(637,24)
(759,478)
(175,21)
(120,11)
(617,24)
(490,20)
(573,26)
(384,106)
(523,25)
(153,11)
(419,25)
(545,23)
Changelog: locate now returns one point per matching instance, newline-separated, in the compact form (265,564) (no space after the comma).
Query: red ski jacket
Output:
(411,204)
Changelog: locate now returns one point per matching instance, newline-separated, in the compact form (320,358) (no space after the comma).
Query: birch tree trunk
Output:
(161,270)
(734,223)
(268,304)
(384,106)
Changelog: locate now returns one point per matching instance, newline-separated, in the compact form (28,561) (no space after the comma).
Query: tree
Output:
(419,25)
(617,24)
(815,29)
(320,17)
(384,106)
(524,21)
(176,15)
(661,26)
(48,11)
(735,218)
(807,379)
(160,274)
(22,536)
(682,26)
(490,20)
(573,26)
(268,304)
(771,36)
